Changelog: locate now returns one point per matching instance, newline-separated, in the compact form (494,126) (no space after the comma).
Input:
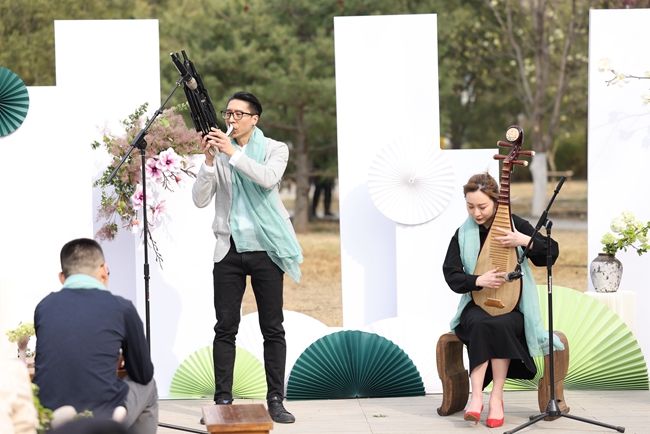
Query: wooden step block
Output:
(240,419)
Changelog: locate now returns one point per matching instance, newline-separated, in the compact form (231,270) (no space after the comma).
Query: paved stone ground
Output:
(627,409)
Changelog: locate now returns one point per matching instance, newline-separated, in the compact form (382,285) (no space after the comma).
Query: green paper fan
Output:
(604,354)
(353,364)
(194,378)
(14,102)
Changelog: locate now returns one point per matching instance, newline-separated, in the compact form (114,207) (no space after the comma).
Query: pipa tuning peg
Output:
(520,162)
(515,133)
(503,144)
(527,153)
(499,157)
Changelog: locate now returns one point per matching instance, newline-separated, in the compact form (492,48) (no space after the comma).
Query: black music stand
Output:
(552,409)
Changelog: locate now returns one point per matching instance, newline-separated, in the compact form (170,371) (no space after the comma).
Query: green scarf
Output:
(270,232)
(536,335)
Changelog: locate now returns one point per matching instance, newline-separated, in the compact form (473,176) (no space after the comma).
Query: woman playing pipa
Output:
(500,345)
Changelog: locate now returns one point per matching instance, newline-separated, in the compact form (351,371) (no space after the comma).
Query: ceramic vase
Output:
(22,348)
(606,272)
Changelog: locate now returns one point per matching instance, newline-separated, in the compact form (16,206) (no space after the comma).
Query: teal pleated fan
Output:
(603,354)
(353,364)
(194,378)
(14,102)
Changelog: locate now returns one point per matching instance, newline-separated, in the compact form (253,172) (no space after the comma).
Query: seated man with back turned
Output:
(80,331)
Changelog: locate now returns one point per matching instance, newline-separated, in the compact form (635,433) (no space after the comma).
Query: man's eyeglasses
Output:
(236,114)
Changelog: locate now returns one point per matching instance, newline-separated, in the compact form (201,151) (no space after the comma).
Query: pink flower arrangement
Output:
(169,141)
(152,170)
(138,197)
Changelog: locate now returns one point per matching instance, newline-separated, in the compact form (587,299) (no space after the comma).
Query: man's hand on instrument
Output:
(492,279)
(218,139)
(511,238)
(205,148)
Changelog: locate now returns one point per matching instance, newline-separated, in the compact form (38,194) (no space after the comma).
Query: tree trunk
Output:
(539,173)
(534,100)
(301,209)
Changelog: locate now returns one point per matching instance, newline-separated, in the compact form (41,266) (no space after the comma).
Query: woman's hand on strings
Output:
(511,238)
(492,279)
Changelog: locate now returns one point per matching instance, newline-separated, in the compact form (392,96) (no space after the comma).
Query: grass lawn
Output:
(319,292)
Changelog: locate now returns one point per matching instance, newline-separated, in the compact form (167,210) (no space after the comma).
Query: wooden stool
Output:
(561,362)
(241,419)
(455,378)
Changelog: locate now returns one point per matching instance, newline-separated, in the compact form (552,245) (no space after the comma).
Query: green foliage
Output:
(572,152)
(27,31)
(283,51)
(23,330)
(475,101)
(86,414)
(44,414)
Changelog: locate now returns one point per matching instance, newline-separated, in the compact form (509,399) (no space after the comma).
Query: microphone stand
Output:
(140,143)
(553,408)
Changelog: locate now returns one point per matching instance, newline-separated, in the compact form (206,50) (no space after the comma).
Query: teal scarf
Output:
(82,281)
(536,335)
(269,232)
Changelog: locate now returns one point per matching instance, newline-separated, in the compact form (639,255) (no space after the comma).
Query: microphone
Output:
(515,275)
(187,77)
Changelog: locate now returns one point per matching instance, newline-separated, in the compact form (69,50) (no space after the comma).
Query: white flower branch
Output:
(622,77)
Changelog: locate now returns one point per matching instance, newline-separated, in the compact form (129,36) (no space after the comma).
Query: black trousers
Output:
(229,286)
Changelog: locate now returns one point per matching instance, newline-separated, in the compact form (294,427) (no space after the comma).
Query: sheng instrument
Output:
(202,112)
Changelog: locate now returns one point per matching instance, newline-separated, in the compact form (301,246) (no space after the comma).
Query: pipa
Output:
(492,255)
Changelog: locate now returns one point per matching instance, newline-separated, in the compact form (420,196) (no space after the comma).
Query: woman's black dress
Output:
(494,337)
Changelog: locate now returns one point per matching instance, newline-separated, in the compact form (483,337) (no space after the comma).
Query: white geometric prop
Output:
(411,184)
(417,337)
(115,95)
(619,145)
(300,332)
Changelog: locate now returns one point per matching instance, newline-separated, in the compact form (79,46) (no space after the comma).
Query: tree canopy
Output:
(500,63)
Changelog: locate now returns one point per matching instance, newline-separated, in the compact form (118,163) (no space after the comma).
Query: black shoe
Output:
(277,411)
(218,402)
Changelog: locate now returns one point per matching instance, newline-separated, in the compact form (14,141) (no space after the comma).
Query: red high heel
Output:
(472,416)
(496,423)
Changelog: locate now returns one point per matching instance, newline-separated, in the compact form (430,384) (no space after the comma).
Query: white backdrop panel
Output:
(425,304)
(55,201)
(46,202)
(105,84)
(386,90)
(421,249)
(619,144)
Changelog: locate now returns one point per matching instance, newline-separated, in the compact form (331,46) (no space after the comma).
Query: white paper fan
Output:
(249,336)
(409,335)
(410,183)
